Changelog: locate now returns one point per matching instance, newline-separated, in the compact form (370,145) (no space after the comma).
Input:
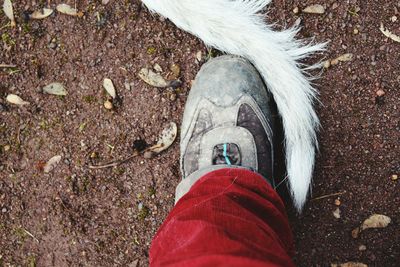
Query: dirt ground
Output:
(75,216)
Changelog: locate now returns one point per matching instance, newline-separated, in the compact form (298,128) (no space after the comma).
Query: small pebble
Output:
(314,9)
(336,213)
(296,10)
(199,56)
(362,248)
(6,148)
(337,202)
(395,177)
(3,210)
(172,97)
(356,31)
(393,19)
(52,45)
(380,93)
(108,105)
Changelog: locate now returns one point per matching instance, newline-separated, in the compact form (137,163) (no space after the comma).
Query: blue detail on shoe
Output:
(225,155)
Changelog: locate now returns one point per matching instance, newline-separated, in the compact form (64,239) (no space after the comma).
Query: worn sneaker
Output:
(227,122)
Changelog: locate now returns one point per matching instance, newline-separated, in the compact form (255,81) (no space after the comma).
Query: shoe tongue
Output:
(226,153)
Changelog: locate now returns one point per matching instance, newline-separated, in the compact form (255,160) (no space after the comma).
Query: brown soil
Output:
(80,217)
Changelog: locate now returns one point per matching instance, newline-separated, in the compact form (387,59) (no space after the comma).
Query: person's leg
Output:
(230,217)
(227,211)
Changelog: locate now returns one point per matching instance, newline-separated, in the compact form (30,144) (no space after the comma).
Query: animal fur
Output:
(236,27)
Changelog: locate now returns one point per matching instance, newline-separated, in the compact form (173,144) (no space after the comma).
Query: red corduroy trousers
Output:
(230,217)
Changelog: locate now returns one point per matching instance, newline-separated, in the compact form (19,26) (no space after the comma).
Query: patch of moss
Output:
(353,11)
(6,38)
(26,28)
(136,241)
(84,184)
(68,179)
(82,127)
(44,125)
(20,233)
(31,261)
(151,191)
(143,213)
(119,171)
(133,16)
(151,50)
(89,99)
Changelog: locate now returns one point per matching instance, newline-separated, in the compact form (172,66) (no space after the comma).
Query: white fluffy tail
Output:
(235,27)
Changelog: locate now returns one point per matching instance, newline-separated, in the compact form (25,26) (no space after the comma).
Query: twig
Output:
(330,195)
(7,66)
(19,135)
(116,163)
(113,163)
(31,235)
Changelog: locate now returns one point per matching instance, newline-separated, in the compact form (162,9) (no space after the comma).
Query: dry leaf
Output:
(342,58)
(176,71)
(14,99)
(55,89)
(51,164)
(297,22)
(8,10)
(350,264)
(374,221)
(66,9)
(327,64)
(41,14)
(314,9)
(388,34)
(109,87)
(157,68)
(166,138)
(135,263)
(152,78)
